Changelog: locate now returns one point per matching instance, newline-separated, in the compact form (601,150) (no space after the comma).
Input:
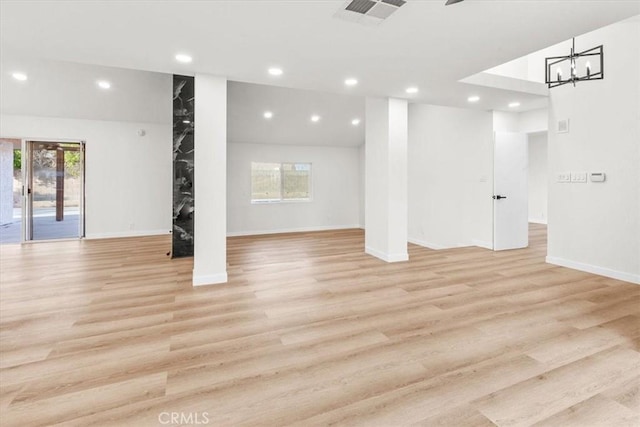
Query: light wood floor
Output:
(310,331)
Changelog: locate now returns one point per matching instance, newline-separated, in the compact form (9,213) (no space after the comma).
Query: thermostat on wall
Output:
(598,176)
(563,126)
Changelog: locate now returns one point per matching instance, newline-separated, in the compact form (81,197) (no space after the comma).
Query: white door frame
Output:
(27,199)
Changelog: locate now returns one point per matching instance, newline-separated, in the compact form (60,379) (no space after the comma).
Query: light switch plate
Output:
(563,177)
(578,177)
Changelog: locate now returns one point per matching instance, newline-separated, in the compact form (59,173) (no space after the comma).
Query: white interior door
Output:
(510,196)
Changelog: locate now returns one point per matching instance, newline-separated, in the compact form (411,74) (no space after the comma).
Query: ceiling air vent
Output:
(369,12)
(360,6)
(396,3)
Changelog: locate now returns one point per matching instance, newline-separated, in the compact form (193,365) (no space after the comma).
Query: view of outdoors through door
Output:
(55,194)
(10,190)
(54,187)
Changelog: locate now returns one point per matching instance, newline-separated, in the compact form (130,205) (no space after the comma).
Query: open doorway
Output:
(47,191)
(538,177)
(54,190)
(520,190)
(538,185)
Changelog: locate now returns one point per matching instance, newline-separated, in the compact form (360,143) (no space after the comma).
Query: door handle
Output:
(499,197)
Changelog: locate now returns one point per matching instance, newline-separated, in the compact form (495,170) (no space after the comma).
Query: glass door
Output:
(10,190)
(55,191)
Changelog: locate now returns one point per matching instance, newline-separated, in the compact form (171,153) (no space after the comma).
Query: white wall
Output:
(362,165)
(517,69)
(128,177)
(336,189)
(69,90)
(377,175)
(210,181)
(534,121)
(397,193)
(538,177)
(386,140)
(526,122)
(292,109)
(450,176)
(596,226)
(506,122)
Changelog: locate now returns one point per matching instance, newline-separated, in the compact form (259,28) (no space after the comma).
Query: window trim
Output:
(282,200)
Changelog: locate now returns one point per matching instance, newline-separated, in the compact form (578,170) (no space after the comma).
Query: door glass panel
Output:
(56,190)
(10,190)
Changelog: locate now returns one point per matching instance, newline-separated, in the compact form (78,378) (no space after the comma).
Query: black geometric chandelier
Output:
(576,67)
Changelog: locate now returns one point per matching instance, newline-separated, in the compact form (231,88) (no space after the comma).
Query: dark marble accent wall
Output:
(183,197)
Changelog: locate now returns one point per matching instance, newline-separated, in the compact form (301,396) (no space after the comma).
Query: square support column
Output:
(210,181)
(386,179)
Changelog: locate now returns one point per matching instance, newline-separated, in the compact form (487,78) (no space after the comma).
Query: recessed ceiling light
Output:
(274,71)
(412,90)
(186,122)
(473,98)
(20,76)
(351,82)
(514,104)
(185,59)
(103,84)
(315,118)
(268,114)
(355,122)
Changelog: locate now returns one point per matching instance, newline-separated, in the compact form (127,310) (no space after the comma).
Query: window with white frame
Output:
(280,182)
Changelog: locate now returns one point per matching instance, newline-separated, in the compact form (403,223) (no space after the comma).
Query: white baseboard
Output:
(538,220)
(482,244)
(130,233)
(292,230)
(211,279)
(601,271)
(387,257)
(436,247)
(427,245)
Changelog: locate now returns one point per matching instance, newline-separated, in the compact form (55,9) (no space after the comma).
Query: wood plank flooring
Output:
(310,331)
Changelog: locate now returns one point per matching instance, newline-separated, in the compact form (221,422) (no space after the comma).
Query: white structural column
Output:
(210,181)
(386,179)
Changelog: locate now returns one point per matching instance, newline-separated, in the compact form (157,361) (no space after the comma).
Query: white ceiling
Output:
(424,43)
(291,122)
(70,90)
